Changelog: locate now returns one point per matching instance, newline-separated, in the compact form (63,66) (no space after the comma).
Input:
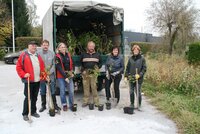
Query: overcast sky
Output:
(134,12)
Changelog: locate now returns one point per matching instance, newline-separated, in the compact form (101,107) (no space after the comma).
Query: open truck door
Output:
(76,21)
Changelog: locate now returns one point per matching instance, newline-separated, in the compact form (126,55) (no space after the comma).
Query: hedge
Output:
(151,47)
(21,42)
(193,54)
(2,53)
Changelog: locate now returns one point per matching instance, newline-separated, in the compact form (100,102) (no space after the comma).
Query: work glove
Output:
(115,73)
(137,76)
(67,80)
(125,80)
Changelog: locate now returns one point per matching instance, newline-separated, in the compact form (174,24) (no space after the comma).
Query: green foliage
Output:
(184,110)
(2,53)
(173,87)
(5,23)
(22,42)
(68,37)
(147,47)
(71,42)
(193,54)
(79,43)
(174,74)
(22,24)
(93,72)
(89,36)
(36,31)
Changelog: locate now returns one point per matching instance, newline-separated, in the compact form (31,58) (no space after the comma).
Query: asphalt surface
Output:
(84,121)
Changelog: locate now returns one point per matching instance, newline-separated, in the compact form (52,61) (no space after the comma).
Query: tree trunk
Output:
(171,41)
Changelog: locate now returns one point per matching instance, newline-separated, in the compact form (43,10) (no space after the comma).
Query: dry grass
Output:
(175,73)
(174,87)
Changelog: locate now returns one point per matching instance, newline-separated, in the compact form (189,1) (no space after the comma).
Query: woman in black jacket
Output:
(135,70)
(114,71)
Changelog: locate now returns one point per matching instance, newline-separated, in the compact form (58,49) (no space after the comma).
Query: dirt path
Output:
(84,121)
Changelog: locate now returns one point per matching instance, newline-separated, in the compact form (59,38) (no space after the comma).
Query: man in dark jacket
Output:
(91,62)
(135,63)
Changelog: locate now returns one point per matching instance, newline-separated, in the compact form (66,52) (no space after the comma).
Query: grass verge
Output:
(183,110)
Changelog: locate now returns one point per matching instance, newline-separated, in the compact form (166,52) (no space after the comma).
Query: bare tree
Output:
(33,17)
(173,17)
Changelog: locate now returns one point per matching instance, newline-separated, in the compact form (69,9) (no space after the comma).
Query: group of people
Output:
(36,68)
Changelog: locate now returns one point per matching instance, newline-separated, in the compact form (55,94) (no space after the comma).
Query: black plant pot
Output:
(126,110)
(130,110)
(52,112)
(91,106)
(108,106)
(100,107)
(74,108)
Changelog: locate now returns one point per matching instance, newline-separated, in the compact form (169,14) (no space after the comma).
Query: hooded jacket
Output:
(134,62)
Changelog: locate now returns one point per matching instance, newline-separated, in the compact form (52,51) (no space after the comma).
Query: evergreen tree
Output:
(22,24)
(5,23)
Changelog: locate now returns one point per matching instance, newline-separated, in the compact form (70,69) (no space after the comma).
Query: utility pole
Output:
(13,28)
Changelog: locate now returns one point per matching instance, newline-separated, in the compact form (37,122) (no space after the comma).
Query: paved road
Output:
(84,121)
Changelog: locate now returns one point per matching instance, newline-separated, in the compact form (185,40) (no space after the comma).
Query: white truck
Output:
(80,17)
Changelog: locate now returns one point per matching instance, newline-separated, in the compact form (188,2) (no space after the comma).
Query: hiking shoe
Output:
(65,108)
(36,115)
(42,109)
(25,117)
(57,107)
(84,104)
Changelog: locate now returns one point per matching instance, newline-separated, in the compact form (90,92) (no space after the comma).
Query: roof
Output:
(61,8)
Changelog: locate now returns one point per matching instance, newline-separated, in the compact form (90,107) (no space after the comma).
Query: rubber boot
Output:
(43,99)
(54,102)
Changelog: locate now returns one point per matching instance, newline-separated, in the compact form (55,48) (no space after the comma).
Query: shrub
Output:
(173,87)
(22,42)
(174,74)
(193,54)
(2,53)
(145,46)
(149,47)
(182,109)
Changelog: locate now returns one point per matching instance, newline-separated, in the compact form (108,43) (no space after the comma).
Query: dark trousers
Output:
(34,89)
(132,86)
(116,80)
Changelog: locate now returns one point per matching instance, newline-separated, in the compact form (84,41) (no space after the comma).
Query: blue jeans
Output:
(70,86)
(43,87)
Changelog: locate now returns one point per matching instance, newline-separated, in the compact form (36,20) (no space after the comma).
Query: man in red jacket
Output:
(31,65)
